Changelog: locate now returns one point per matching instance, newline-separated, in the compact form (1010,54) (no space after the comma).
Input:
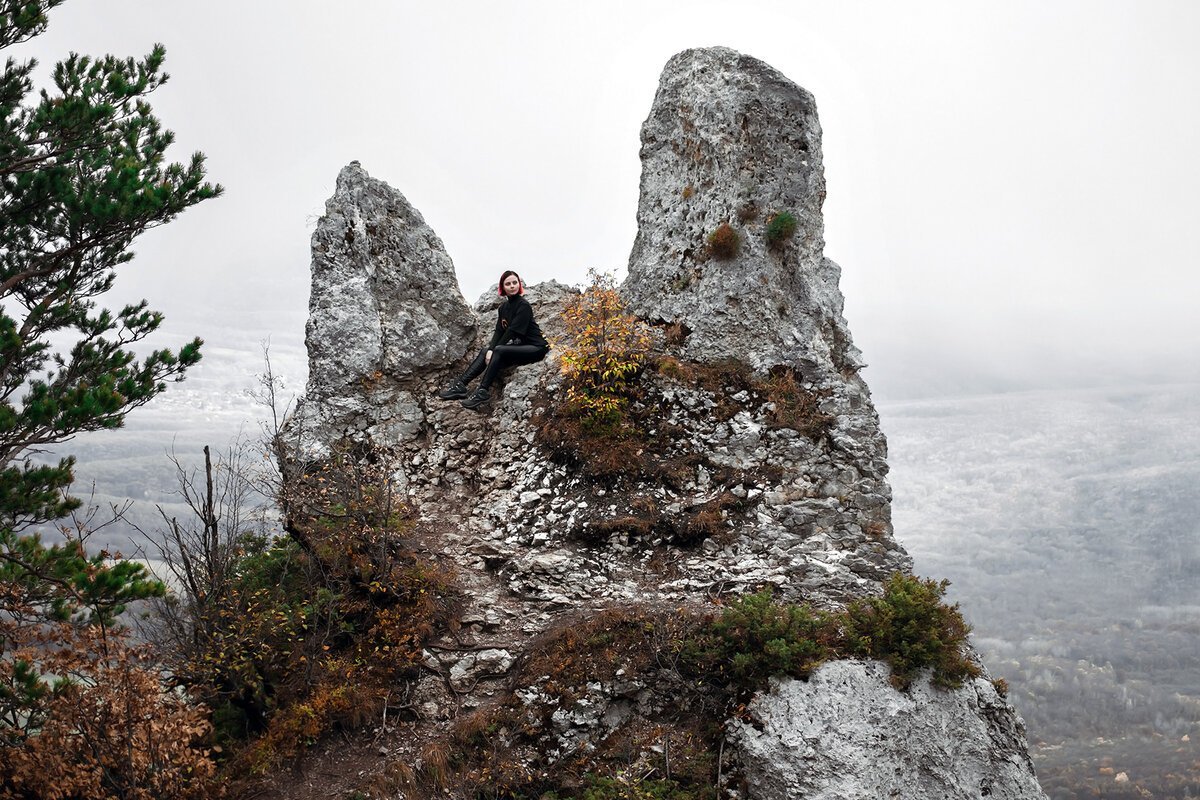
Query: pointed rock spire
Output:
(384,298)
(732,142)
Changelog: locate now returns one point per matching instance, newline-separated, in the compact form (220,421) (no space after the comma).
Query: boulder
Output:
(847,733)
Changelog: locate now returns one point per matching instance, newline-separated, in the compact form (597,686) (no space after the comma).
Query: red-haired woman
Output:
(517,340)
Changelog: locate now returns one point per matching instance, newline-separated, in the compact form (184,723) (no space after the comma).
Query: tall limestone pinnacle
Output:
(731,141)
(738,500)
(384,303)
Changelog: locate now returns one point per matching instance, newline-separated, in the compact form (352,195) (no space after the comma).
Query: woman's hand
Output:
(487,359)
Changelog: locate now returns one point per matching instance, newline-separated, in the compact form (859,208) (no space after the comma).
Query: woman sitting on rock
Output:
(517,340)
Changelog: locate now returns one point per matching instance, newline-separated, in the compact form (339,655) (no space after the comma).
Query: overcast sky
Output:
(1013,188)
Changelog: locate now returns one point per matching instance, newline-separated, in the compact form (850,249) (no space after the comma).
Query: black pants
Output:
(505,355)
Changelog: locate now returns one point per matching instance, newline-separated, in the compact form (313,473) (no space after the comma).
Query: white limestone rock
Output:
(535,542)
(481,665)
(384,296)
(848,734)
(384,305)
(731,140)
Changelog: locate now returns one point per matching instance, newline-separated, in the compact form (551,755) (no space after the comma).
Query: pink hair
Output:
(500,286)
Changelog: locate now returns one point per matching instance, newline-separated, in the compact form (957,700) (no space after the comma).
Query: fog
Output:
(1011,188)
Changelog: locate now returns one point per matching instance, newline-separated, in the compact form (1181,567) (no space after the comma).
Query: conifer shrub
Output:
(84,712)
(908,627)
(724,242)
(911,629)
(780,228)
(756,638)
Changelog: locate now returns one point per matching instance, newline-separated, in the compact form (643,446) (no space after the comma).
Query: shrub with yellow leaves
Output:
(607,350)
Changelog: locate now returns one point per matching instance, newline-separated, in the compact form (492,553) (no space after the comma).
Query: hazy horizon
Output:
(1011,190)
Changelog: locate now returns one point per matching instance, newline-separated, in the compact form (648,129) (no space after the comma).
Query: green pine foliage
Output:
(780,228)
(757,637)
(83,172)
(911,629)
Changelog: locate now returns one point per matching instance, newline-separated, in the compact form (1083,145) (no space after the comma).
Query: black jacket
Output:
(515,324)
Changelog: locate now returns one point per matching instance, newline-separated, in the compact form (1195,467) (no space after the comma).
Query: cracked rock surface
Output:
(847,733)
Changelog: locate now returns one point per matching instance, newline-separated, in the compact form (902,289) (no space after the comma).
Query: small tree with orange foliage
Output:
(83,714)
(110,731)
(607,350)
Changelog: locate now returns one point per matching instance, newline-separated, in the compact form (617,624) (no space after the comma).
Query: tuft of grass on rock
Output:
(724,242)
(780,228)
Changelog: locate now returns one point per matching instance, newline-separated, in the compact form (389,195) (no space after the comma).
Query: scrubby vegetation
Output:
(85,715)
(606,351)
(909,627)
(618,423)
(611,421)
(301,635)
(756,638)
(780,228)
(788,403)
(724,242)
(703,666)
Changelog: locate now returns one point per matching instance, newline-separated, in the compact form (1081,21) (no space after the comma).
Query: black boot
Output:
(477,398)
(457,390)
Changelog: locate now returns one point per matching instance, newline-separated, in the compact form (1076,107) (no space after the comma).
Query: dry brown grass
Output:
(604,455)
(637,526)
(724,242)
(675,333)
(794,406)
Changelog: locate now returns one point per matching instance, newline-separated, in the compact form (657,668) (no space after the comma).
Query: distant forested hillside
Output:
(1069,524)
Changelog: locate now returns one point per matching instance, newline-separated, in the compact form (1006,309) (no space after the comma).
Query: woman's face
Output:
(512,286)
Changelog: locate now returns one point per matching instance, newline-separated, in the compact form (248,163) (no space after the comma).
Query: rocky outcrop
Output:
(745,496)
(384,296)
(384,305)
(729,140)
(848,733)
